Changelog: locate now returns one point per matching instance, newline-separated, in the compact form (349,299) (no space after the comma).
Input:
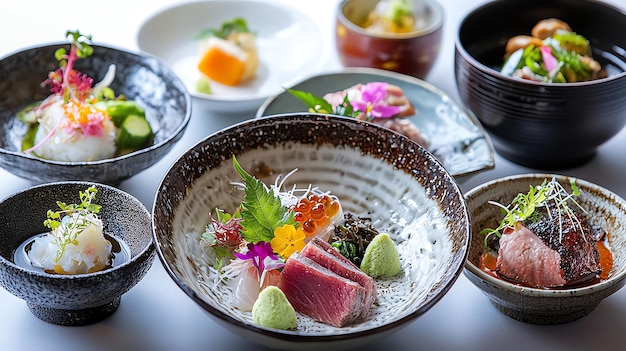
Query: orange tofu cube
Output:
(221,66)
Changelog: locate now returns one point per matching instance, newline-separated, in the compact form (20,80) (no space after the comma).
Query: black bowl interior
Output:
(485,31)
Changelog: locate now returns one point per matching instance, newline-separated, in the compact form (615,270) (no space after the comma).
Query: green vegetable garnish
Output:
(523,206)
(261,209)
(570,41)
(398,9)
(236,25)
(78,222)
(203,85)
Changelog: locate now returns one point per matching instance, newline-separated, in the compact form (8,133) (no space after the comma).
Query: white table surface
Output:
(157,315)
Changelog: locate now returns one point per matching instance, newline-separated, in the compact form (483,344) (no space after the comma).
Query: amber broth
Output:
(120,253)
(487,263)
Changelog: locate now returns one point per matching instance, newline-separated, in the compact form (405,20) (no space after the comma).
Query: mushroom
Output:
(520,42)
(547,27)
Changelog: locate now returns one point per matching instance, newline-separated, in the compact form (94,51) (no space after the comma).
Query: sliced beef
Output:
(524,258)
(574,240)
(551,250)
(319,293)
(325,255)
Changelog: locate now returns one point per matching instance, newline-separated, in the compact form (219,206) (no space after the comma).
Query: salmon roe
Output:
(315,211)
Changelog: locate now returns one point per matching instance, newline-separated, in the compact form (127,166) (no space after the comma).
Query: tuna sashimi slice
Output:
(319,293)
(325,255)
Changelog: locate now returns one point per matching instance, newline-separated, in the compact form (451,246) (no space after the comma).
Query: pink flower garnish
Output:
(66,81)
(548,59)
(262,257)
(372,101)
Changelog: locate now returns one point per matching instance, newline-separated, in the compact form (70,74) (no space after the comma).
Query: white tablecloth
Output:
(157,315)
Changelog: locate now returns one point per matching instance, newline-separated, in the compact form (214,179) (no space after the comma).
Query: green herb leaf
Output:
(78,222)
(523,206)
(236,25)
(315,103)
(261,209)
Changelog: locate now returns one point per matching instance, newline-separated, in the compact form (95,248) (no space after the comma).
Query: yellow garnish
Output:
(287,240)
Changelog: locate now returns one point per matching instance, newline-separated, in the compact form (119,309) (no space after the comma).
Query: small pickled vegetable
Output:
(135,133)
(120,109)
(553,54)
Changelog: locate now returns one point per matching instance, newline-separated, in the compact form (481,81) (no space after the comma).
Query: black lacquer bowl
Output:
(543,125)
(139,77)
(373,171)
(82,298)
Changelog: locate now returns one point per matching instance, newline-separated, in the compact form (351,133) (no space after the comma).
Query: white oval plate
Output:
(288,42)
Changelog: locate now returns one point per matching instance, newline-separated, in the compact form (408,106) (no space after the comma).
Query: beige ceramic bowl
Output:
(411,53)
(544,306)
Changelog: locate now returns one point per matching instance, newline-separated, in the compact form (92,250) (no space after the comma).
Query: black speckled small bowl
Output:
(82,298)
(545,306)
(139,77)
(375,173)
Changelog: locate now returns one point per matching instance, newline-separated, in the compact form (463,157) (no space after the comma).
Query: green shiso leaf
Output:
(261,209)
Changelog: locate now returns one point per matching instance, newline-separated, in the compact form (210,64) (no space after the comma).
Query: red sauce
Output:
(487,263)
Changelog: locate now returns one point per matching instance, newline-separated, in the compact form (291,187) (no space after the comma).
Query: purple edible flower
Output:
(259,253)
(372,101)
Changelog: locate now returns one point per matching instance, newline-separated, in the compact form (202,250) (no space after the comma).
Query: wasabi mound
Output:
(381,258)
(273,310)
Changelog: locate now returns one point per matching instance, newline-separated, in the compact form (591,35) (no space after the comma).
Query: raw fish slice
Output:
(325,255)
(319,293)
(246,286)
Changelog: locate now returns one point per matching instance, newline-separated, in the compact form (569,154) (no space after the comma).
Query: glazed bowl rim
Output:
(41,275)
(538,292)
(143,57)
(296,336)
(433,27)
(484,69)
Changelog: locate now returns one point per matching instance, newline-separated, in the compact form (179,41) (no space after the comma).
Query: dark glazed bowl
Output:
(543,125)
(545,306)
(82,298)
(142,78)
(372,170)
(411,53)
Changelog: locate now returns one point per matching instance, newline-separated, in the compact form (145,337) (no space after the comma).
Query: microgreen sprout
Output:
(72,219)
(547,194)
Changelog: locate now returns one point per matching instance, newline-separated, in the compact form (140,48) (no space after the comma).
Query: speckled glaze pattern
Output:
(544,306)
(372,170)
(542,125)
(73,299)
(140,77)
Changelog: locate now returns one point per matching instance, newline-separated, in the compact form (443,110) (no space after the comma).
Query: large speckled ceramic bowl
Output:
(82,298)
(545,306)
(139,77)
(373,171)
